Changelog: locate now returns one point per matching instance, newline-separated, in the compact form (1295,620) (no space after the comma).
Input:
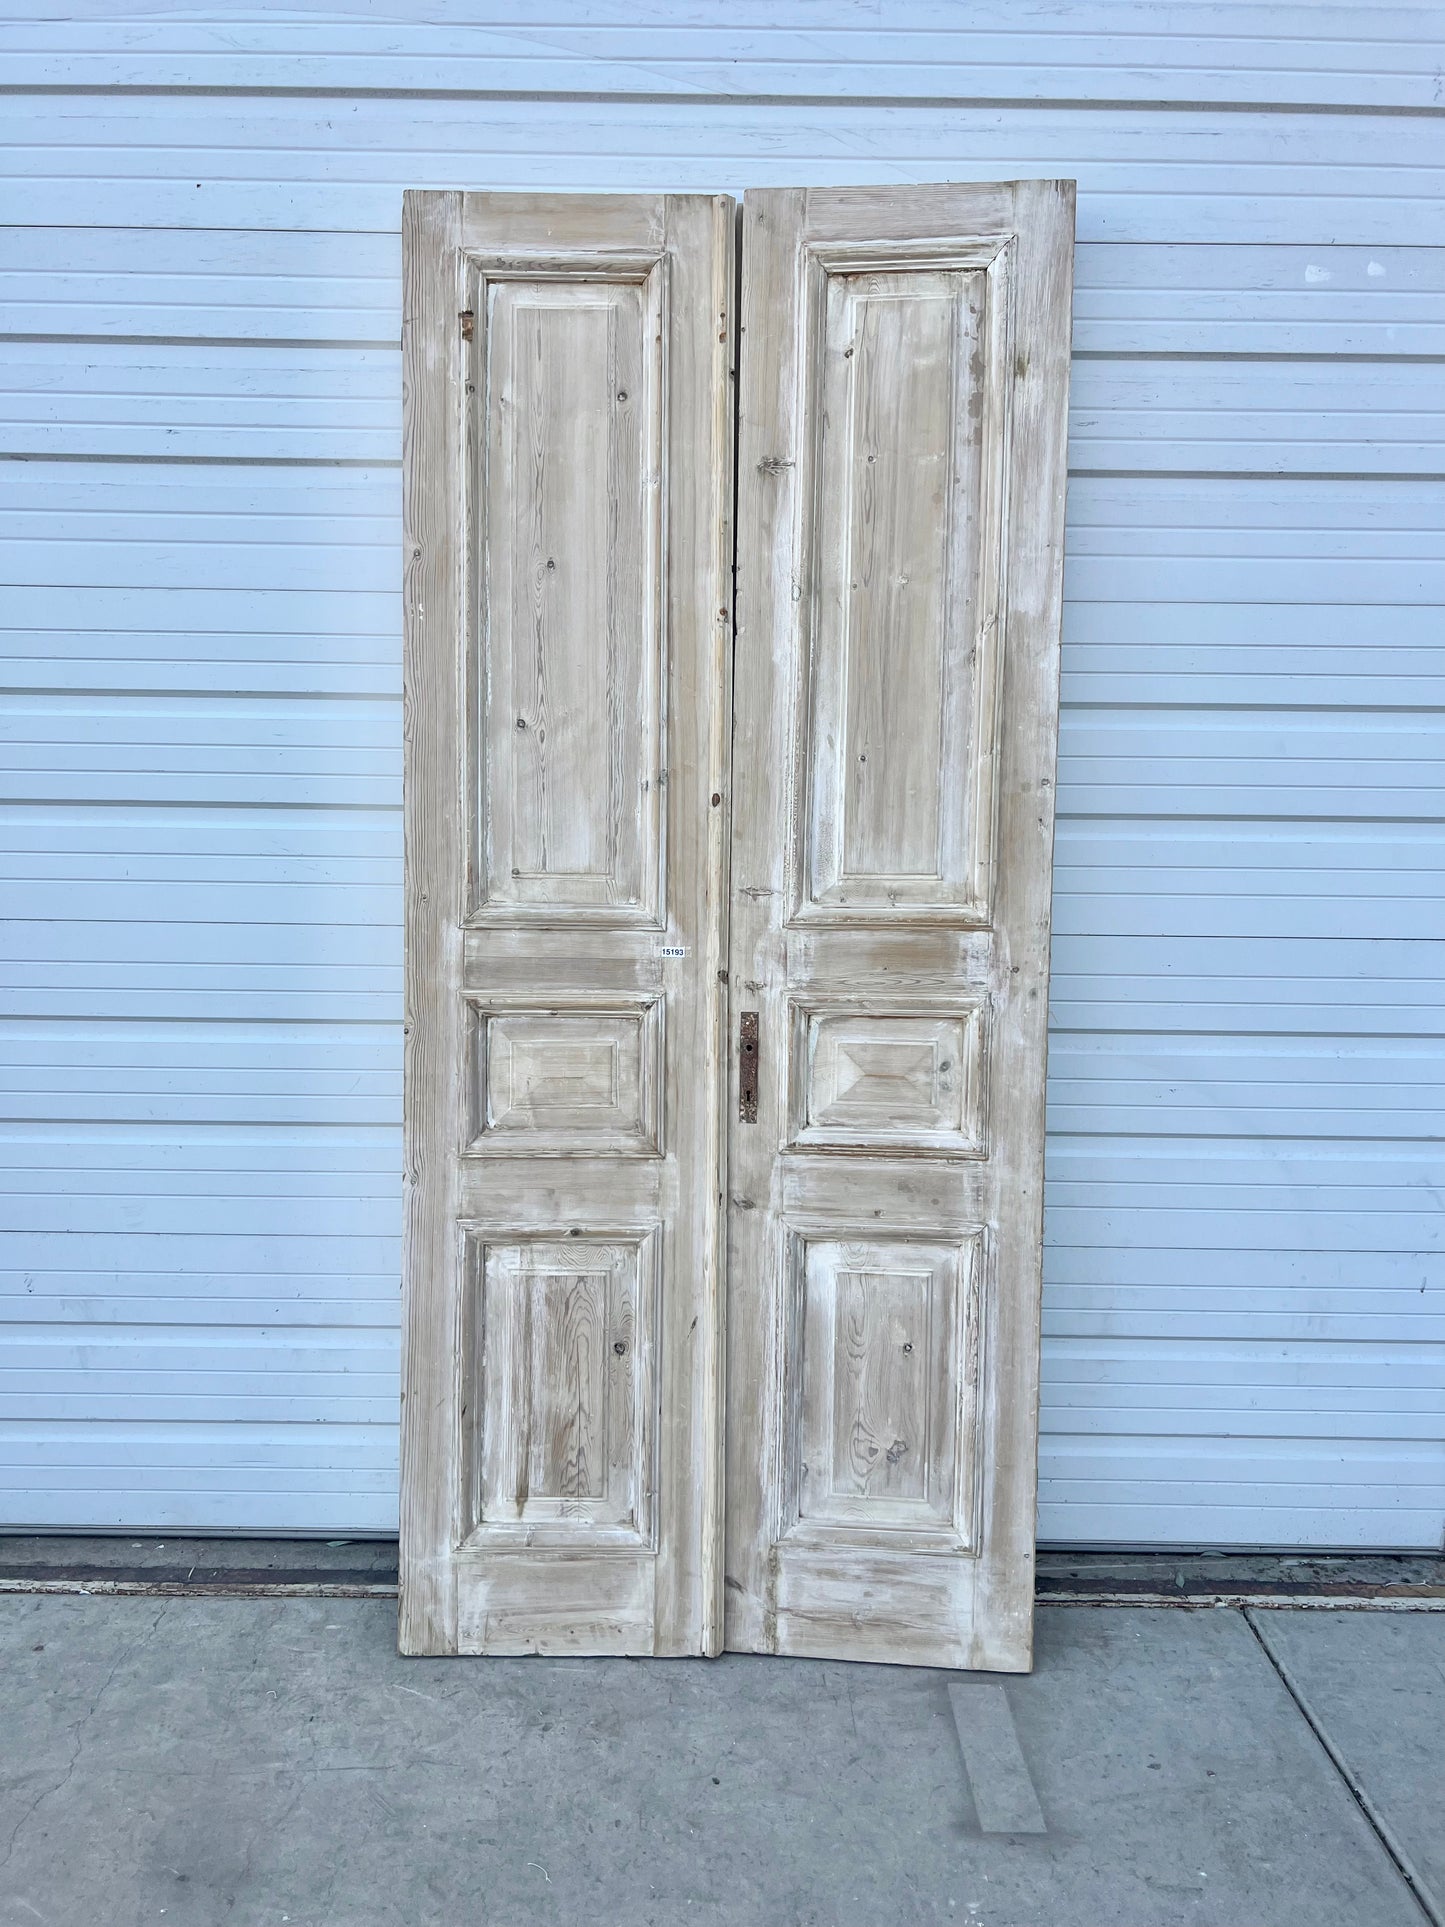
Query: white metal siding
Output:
(199,302)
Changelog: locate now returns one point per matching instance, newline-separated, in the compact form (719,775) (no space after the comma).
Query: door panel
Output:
(899,683)
(568,494)
(901,473)
(572,378)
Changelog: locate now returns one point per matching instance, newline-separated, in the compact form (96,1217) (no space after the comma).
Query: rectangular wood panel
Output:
(567,492)
(904,1079)
(882,1383)
(906,437)
(568,484)
(559,1424)
(551,1083)
(901,476)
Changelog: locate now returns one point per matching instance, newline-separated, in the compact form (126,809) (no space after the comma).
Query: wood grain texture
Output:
(905,400)
(881,1403)
(434,597)
(548,1083)
(911,1079)
(901,484)
(560,1394)
(571,653)
(568,478)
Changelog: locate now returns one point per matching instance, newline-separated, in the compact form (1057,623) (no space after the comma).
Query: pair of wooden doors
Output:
(728,916)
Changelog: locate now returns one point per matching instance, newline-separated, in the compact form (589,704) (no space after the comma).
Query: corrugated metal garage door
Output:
(201,309)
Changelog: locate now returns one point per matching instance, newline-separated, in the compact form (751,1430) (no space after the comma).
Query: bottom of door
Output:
(516,1602)
(898,1609)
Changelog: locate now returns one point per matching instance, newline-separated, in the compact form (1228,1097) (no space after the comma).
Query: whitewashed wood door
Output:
(904,375)
(568,478)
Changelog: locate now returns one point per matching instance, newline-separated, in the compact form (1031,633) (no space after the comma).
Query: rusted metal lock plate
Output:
(748,1067)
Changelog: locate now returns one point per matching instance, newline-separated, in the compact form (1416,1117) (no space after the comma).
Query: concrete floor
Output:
(271,1761)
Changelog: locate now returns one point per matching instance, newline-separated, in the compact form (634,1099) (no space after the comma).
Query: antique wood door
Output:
(904,374)
(568,490)
(572,1122)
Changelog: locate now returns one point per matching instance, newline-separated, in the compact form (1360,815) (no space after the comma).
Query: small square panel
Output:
(888,1080)
(559,1415)
(552,1082)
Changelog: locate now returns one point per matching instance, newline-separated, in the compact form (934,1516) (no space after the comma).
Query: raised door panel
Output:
(888,1080)
(568,492)
(902,497)
(551,1083)
(569,480)
(881,1375)
(900,544)
(560,1338)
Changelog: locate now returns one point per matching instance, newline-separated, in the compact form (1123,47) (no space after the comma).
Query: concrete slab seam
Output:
(1378,1824)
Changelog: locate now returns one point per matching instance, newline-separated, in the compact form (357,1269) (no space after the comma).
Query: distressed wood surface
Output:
(570,815)
(912,1079)
(561,1395)
(568,488)
(901,497)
